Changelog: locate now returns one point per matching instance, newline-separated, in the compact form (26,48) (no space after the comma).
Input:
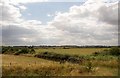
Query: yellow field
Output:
(30,66)
(72,51)
(13,60)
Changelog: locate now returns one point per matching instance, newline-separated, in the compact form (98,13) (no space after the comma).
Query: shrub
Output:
(112,51)
(32,51)
(96,53)
(8,50)
(89,66)
(17,53)
(59,57)
(4,49)
(24,51)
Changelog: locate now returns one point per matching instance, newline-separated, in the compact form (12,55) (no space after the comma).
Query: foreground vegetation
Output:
(30,62)
(30,66)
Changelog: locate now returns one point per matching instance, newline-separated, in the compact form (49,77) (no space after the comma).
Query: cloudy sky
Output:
(59,22)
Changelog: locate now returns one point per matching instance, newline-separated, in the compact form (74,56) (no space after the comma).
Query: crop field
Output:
(27,65)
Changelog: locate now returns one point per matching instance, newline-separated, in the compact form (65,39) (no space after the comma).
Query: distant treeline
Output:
(64,47)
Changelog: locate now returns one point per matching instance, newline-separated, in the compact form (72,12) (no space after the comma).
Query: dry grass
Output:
(31,66)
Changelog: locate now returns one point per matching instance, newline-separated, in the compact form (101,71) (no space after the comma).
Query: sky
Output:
(45,11)
(59,22)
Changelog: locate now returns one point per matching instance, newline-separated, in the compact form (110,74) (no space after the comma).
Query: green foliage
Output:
(17,50)
(89,66)
(59,57)
(32,51)
(4,49)
(24,50)
(8,50)
(115,51)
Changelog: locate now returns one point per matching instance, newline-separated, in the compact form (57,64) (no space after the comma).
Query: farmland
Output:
(28,65)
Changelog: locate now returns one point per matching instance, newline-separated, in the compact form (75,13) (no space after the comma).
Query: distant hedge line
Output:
(60,57)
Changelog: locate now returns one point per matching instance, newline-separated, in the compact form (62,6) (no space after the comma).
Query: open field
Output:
(72,51)
(22,60)
(19,65)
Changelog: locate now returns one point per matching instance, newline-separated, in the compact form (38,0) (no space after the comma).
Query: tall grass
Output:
(44,70)
(30,66)
(91,65)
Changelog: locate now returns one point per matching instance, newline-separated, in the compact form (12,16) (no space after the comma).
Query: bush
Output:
(96,53)
(17,53)
(112,51)
(24,51)
(89,66)
(17,50)
(4,49)
(32,51)
(8,50)
(59,57)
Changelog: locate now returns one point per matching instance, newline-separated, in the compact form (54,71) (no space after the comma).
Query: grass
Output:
(71,51)
(27,65)
(22,60)
(30,66)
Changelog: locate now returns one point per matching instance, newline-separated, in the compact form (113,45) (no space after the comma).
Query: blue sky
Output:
(40,11)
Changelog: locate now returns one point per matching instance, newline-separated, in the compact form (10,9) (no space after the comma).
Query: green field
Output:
(27,65)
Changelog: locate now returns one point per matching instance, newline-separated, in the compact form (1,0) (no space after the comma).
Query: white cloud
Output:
(9,14)
(94,22)
(22,7)
(54,14)
(49,15)
(17,2)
